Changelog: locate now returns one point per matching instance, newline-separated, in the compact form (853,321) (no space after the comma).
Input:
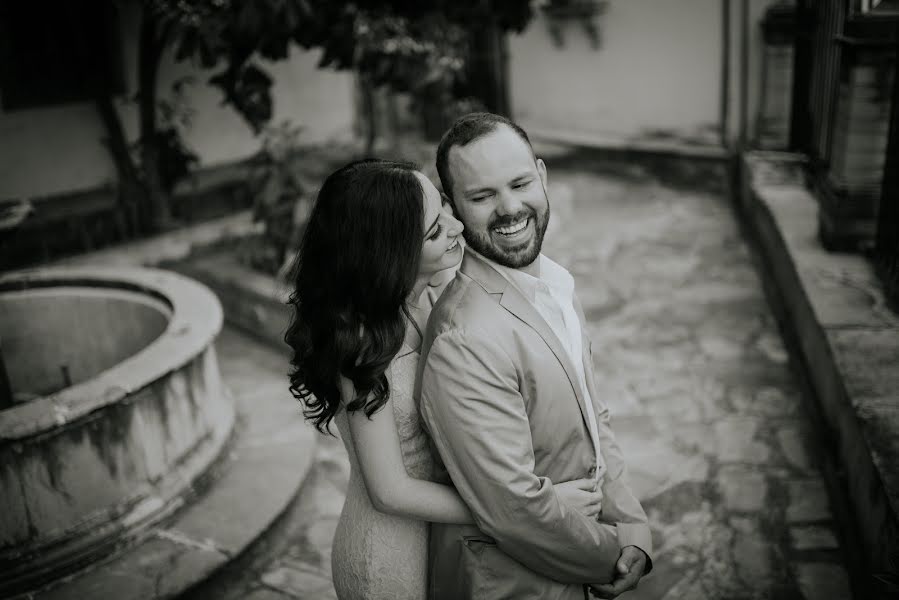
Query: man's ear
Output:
(541,169)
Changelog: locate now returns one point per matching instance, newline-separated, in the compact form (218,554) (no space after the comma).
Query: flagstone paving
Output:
(704,402)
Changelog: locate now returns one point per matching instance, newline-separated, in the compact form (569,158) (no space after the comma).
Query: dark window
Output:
(57,51)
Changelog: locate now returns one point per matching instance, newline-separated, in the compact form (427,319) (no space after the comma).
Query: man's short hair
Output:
(465,130)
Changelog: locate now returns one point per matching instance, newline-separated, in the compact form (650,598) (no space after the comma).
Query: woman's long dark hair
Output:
(355,270)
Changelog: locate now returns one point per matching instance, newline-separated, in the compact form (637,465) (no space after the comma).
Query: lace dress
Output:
(378,556)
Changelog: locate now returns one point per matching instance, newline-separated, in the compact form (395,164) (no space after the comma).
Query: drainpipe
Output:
(724,107)
(6,400)
(744,75)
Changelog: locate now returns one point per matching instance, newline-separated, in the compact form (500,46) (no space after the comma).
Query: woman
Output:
(378,233)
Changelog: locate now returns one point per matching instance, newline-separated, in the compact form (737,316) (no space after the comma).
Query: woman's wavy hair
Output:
(353,274)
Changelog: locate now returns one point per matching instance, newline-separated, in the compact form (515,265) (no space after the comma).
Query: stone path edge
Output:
(848,345)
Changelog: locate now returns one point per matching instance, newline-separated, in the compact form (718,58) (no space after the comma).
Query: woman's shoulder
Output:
(408,354)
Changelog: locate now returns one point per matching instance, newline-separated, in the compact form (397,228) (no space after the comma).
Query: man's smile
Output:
(514,233)
(512,229)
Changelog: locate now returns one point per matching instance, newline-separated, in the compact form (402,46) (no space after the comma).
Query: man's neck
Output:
(532,269)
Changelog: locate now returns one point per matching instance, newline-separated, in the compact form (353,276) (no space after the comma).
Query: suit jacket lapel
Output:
(514,301)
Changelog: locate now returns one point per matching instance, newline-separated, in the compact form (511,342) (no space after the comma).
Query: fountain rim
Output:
(195,321)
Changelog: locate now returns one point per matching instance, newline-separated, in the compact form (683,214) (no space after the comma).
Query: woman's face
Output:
(442,246)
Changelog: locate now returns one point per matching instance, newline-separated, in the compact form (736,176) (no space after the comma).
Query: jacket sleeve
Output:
(477,419)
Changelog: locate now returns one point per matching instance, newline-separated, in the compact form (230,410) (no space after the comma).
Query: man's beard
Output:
(515,259)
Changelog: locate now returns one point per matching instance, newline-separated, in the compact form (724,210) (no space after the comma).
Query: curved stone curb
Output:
(93,466)
(258,479)
(195,322)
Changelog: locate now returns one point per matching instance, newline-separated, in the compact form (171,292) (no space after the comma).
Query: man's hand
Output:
(629,569)
(583,495)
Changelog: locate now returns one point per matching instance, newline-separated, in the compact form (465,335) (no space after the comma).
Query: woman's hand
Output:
(583,495)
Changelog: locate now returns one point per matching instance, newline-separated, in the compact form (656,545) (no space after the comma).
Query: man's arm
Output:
(476,416)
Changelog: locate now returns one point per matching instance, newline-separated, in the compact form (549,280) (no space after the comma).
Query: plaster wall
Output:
(656,76)
(51,150)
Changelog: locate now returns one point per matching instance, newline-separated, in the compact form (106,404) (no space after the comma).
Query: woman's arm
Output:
(389,486)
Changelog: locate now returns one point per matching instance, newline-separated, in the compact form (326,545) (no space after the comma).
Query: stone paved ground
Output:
(703,400)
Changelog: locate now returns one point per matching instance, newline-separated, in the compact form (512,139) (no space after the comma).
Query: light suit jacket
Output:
(504,408)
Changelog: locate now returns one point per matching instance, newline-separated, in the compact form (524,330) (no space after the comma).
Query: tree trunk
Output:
(132,192)
(487,69)
(157,215)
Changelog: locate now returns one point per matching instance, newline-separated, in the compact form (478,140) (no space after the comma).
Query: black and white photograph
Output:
(449,300)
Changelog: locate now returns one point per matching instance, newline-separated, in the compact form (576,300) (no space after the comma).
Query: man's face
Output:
(499,194)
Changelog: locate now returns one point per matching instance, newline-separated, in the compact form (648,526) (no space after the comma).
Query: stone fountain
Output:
(112,412)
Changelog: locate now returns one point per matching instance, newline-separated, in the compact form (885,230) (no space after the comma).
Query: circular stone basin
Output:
(117,409)
(59,336)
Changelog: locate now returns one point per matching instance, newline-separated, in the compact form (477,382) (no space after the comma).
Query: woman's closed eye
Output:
(436,234)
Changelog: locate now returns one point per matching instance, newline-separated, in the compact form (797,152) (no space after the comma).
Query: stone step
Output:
(293,560)
(848,344)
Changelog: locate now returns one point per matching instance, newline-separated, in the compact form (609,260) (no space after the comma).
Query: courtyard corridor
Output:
(705,403)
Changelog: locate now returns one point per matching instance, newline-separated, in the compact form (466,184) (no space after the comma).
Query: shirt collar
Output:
(551,274)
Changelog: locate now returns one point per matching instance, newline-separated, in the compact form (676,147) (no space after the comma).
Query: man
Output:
(507,394)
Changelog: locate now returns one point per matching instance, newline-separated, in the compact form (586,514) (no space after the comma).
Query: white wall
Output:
(50,150)
(47,150)
(656,76)
(321,101)
(658,71)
